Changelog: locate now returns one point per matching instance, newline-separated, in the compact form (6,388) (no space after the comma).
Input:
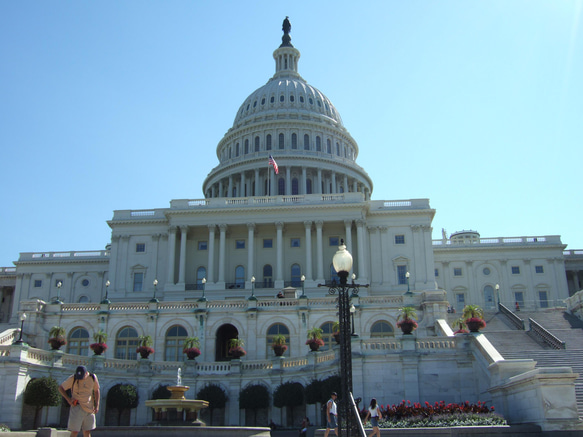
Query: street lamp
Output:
(106,300)
(203,297)
(58,299)
(408,289)
(252,289)
(497,287)
(342,262)
(303,279)
(154,300)
(20,341)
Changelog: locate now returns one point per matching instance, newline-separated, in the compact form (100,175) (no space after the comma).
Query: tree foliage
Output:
(122,397)
(216,397)
(289,394)
(254,397)
(42,392)
(161,392)
(313,392)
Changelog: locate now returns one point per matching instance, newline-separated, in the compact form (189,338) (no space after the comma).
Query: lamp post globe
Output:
(20,341)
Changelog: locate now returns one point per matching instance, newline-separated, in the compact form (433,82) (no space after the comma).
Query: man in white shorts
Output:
(84,401)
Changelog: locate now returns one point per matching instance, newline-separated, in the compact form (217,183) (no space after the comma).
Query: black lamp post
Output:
(58,299)
(203,297)
(408,289)
(342,262)
(352,311)
(154,300)
(106,300)
(497,296)
(20,341)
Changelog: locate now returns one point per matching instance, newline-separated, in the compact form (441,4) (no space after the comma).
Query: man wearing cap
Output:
(84,400)
(331,415)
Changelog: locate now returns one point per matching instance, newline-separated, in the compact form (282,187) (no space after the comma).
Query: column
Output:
(333,190)
(257,188)
(272,188)
(222,254)
(345,184)
(360,237)
(154,254)
(171,255)
(182,265)
(304,177)
(319,252)
(210,271)
(250,251)
(384,252)
(113,260)
(122,277)
(355,186)
(319,189)
(375,260)
(288,180)
(308,228)
(230,192)
(279,266)
(348,241)
(220,188)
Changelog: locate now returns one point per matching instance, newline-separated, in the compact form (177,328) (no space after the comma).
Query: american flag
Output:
(271,161)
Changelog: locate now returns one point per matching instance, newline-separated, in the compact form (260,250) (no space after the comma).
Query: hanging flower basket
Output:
(474,324)
(237,352)
(191,352)
(407,326)
(315,343)
(98,348)
(145,351)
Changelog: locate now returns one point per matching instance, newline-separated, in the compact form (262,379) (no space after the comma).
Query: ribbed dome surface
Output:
(284,95)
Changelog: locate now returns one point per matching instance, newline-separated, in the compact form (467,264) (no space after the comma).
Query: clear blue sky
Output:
(476,105)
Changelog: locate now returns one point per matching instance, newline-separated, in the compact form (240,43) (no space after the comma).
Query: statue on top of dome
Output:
(285,39)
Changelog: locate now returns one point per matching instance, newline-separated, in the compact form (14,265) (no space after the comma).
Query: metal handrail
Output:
(545,335)
(514,319)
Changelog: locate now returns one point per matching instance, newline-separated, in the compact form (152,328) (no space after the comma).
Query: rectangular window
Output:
(202,245)
(543,298)
(267,243)
(515,270)
(402,274)
(399,239)
(140,247)
(457,271)
(334,241)
(539,269)
(295,242)
(38,283)
(239,244)
(138,281)
(460,301)
(437,273)
(518,299)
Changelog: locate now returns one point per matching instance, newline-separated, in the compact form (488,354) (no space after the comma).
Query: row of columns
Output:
(219,278)
(323,182)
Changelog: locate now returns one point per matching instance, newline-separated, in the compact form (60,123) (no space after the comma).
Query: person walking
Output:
(84,400)
(331,414)
(374,412)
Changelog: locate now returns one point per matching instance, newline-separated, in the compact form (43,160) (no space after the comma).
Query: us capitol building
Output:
(213,267)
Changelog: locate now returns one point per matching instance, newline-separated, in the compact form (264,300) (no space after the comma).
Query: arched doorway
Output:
(224,334)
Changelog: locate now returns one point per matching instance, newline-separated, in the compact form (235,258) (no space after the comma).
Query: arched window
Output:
(78,343)
(381,329)
(296,274)
(308,186)
(281,187)
(328,146)
(295,186)
(268,142)
(294,141)
(334,275)
(230,153)
(489,301)
(318,144)
(327,335)
(257,144)
(246,146)
(174,342)
(306,142)
(267,276)
(237,149)
(126,343)
(240,277)
(338,149)
(200,275)
(277,329)
(281,141)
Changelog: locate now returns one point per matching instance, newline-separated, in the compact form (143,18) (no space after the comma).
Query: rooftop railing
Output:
(64,256)
(547,239)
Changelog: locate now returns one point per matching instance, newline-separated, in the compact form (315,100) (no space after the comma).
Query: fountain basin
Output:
(179,403)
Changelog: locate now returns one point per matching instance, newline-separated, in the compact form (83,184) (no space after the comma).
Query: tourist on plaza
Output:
(304,427)
(84,400)
(331,414)
(374,412)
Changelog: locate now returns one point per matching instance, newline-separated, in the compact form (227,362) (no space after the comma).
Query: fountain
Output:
(178,402)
